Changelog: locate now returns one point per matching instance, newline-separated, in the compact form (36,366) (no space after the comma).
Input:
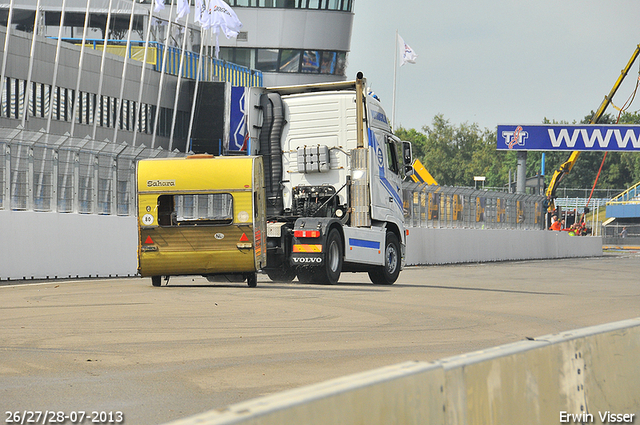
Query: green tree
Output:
(454,154)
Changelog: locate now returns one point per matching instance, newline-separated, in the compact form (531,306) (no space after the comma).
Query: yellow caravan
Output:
(201,215)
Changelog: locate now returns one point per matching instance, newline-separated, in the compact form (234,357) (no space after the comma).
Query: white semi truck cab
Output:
(333,173)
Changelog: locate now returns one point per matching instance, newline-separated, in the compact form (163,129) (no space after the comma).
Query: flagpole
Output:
(142,75)
(124,74)
(195,91)
(175,101)
(395,70)
(28,89)
(162,72)
(77,101)
(79,76)
(55,68)
(5,54)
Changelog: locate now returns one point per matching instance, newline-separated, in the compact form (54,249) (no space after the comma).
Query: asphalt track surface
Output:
(158,354)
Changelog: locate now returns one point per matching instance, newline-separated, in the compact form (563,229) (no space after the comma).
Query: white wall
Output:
(278,28)
(41,245)
(447,246)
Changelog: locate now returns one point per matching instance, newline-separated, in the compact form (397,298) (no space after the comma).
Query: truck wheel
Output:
(156,280)
(388,274)
(282,274)
(252,280)
(330,271)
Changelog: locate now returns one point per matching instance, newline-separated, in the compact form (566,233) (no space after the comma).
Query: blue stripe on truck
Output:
(362,243)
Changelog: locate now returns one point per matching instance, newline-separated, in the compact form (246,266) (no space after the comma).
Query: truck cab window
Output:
(392,156)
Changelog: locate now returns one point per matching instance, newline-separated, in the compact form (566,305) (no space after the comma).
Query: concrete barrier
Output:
(581,376)
(45,245)
(407,393)
(426,246)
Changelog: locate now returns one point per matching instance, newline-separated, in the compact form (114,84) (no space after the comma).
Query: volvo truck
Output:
(318,192)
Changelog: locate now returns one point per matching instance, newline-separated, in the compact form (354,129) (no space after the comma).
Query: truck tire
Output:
(252,280)
(388,274)
(156,280)
(282,274)
(329,272)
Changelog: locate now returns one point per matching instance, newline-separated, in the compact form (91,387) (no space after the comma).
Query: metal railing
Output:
(628,196)
(46,172)
(462,207)
(212,69)
(578,204)
(575,207)
(573,192)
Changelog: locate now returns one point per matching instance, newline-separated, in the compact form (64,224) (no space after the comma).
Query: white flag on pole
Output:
(408,55)
(159,6)
(183,9)
(218,15)
(201,14)
(223,17)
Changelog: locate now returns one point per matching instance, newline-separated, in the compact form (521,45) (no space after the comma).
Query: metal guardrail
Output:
(46,172)
(462,207)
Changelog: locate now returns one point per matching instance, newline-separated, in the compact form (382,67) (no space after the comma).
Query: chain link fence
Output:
(46,172)
(462,207)
(621,234)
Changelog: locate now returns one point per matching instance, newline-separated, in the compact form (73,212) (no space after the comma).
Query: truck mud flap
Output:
(306,260)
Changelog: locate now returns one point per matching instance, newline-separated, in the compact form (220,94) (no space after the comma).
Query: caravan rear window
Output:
(212,208)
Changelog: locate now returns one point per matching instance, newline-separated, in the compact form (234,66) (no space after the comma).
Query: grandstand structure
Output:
(104,75)
(625,206)
(123,72)
(622,227)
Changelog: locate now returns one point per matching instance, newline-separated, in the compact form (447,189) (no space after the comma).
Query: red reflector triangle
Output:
(149,240)
(244,238)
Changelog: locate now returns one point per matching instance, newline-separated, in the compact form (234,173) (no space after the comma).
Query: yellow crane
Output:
(566,167)
(421,175)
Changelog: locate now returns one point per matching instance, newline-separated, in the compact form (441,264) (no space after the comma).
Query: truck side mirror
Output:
(407,158)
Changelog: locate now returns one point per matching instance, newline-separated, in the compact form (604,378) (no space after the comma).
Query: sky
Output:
(499,61)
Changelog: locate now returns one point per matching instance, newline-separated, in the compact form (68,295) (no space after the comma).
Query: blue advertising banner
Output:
(556,137)
(237,119)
